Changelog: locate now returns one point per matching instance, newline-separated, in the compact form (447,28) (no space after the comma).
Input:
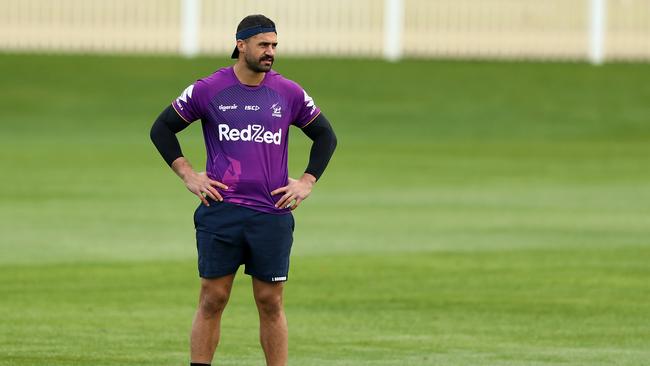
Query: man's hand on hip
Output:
(198,183)
(295,192)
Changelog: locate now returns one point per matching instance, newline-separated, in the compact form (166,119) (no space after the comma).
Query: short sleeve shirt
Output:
(246,129)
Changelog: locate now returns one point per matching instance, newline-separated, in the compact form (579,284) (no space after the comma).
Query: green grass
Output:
(474,214)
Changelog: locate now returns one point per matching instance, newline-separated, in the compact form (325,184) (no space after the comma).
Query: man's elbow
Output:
(333,141)
(154,132)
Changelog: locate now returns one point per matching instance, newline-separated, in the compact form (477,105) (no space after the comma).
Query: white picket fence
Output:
(593,30)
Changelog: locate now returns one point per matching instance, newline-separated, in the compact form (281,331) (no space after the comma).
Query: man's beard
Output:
(256,64)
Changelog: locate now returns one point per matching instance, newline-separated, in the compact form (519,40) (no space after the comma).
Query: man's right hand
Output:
(198,183)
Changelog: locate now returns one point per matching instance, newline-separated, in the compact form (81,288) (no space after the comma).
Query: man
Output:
(246,194)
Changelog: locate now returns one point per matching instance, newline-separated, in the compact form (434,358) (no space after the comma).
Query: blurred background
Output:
(504,29)
(488,203)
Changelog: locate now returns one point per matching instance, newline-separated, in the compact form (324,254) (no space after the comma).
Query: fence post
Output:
(597,23)
(190,15)
(393,28)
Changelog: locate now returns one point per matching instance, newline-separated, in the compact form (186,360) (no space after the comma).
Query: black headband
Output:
(249,32)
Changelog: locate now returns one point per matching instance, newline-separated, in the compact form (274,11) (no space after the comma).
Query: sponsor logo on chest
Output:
(251,133)
(224,108)
(276,108)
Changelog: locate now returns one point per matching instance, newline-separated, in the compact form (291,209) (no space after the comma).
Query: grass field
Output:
(474,214)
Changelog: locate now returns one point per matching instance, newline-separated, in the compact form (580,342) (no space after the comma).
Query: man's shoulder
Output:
(219,77)
(283,84)
(212,84)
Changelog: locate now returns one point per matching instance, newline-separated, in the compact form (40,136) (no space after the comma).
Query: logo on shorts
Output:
(275,279)
(252,108)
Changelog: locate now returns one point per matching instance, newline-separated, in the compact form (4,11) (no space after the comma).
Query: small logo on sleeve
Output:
(187,93)
(277,110)
(309,102)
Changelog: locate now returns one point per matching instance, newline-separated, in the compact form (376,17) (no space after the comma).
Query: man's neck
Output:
(247,76)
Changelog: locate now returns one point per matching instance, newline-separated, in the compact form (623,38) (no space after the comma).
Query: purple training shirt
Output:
(246,129)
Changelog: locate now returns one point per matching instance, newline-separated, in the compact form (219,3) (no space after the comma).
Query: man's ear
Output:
(240,45)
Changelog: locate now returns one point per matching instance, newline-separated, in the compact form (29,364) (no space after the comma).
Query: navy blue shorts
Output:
(228,235)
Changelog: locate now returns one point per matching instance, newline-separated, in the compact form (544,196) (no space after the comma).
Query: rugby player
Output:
(246,194)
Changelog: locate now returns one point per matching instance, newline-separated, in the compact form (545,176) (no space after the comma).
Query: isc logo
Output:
(254,133)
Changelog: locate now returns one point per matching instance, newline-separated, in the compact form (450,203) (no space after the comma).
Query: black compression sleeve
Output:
(322,134)
(163,134)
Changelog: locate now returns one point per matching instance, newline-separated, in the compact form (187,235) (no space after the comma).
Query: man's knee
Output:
(269,304)
(213,298)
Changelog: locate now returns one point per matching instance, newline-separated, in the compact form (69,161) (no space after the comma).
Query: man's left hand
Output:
(295,192)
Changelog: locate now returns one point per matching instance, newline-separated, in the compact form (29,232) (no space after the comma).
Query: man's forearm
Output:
(308,178)
(163,134)
(322,149)
(182,167)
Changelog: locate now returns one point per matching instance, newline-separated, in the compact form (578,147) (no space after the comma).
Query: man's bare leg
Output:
(207,321)
(274,333)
